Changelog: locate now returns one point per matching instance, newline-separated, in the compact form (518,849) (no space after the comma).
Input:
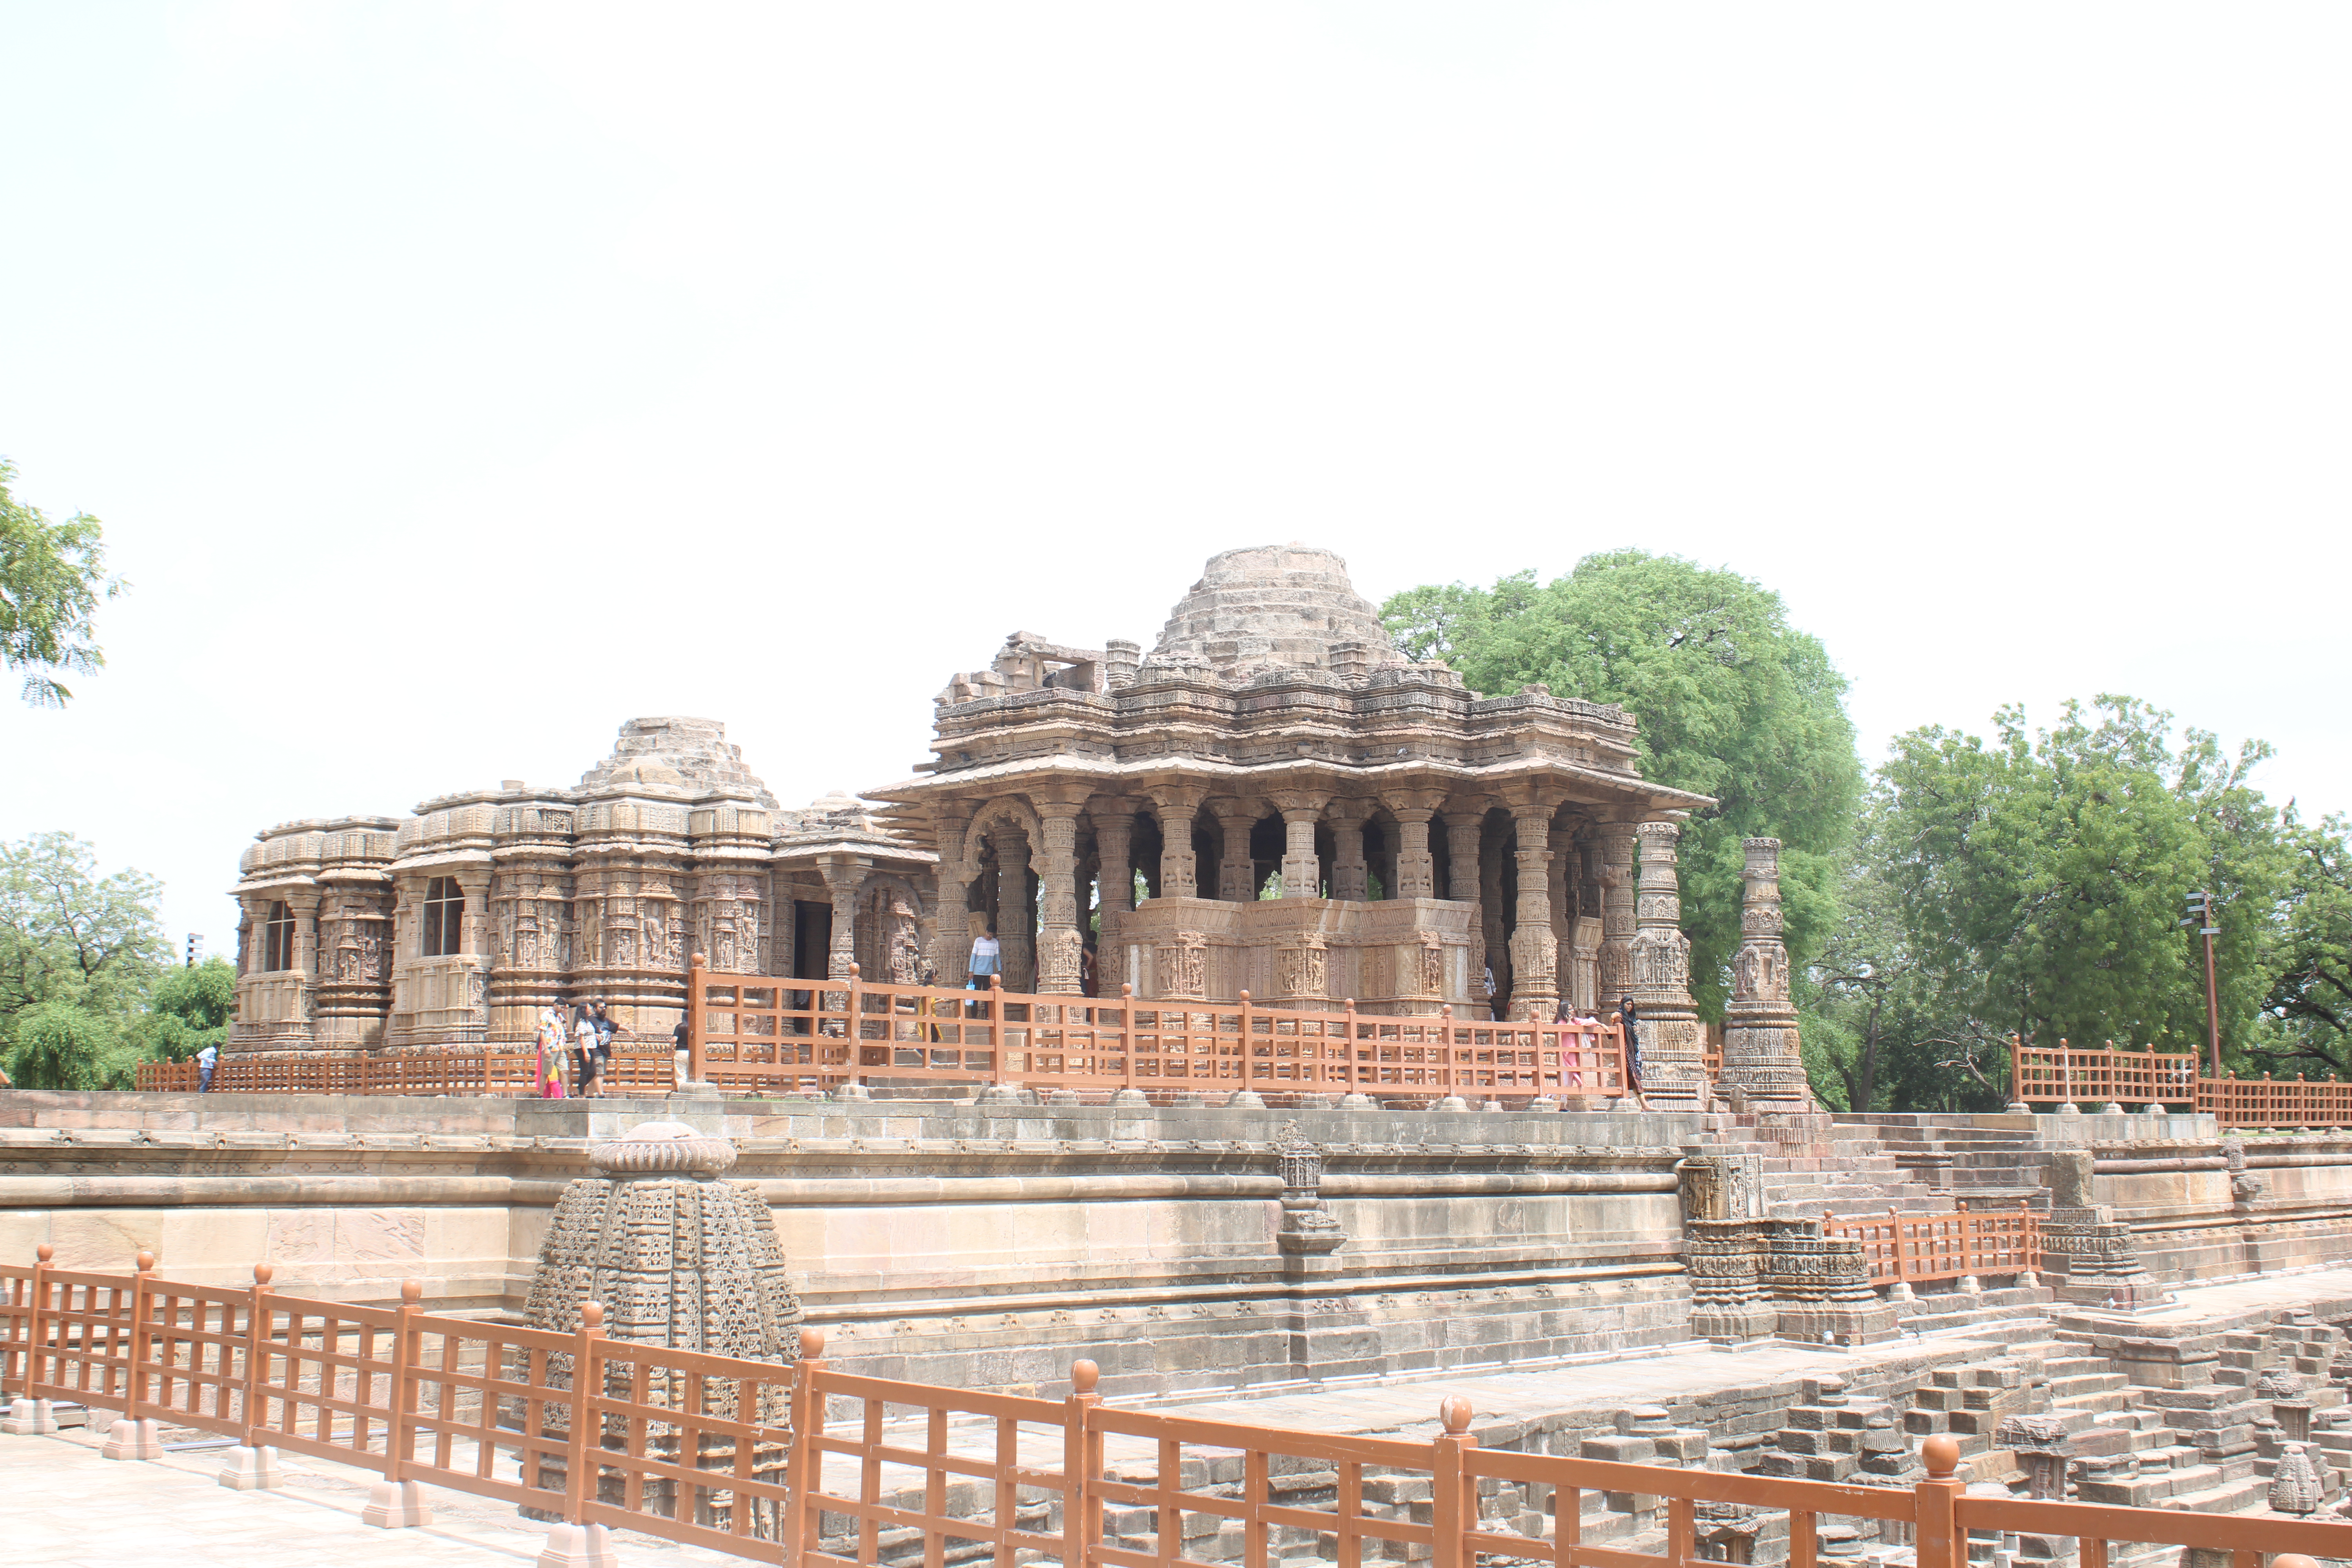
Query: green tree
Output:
(2310,994)
(52,577)
(79,956)
(1731,701)
(189,1008)
(2039,880)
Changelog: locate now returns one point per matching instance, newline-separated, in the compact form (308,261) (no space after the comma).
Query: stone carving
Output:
(2295,1486)
(1672,1042)
(679,1259)
(1305,971)
(1183,965)
(1433,965)
(2245,1186)
(1822,1286)
(906,944)
(1309,1232)
(2278,1384)
(2041,1443)
(1761,1055)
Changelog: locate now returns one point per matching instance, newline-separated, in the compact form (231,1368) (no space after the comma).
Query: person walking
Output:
(583,1029)
(207,1059)
(600,1061)
(1627,1019)
(681,1048)
(547,1067)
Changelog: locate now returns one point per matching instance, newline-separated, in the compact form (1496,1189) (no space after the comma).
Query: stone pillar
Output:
(1348,866)
(844,875)
(1058,942)
(1760,1024)
(1461,832)
(1614,971)
(1535,955)
(1416,868)
(1114,851)
(1236,872)
(1015,930)
(1302,869)
(1175,805)
(951,932)
(1822,1286)
(1673,1043)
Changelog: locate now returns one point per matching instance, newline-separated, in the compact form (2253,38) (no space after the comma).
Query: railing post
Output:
(132,1436)
(1081,1467)
(1445,1046)
(805,1466)
(1349,1079)
(397,1502)
(1127,1035)
(1249,1042)
(693,989)
(852,1030)
(30,1415)
(1937,1534)
(1454,1506)
(573,1543)
(251,1465)
(1895,1238)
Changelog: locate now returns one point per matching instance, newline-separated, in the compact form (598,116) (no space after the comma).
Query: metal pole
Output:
(2213,993)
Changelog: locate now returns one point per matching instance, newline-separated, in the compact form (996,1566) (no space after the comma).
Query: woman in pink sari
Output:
(549,1061)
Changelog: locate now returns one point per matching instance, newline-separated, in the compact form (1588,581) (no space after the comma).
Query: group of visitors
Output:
(1587,1018)
(586,1040)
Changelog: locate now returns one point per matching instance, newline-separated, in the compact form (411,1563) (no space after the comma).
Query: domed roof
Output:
(1272,604)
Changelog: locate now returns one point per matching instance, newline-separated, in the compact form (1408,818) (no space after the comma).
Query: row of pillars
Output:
(1534,948)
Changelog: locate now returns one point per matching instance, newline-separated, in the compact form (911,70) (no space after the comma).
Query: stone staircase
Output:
(1811,1165)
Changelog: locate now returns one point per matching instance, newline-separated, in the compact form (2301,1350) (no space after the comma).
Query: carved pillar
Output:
(1348,870)
(951,930)
(1175,805)
(1236,872)
(1015,926)
(1114,849)
(1673,1043)
(1616,976)
(1462,833)
(1761,1053)
(1535,952)
(1416,868)
(1302,869)
(844,875)
(1058,941)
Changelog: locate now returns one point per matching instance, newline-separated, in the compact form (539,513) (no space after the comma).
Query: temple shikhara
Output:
(1271,800)
(1266,1211)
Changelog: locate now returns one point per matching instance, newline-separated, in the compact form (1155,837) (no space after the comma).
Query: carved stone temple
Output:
(1273,799)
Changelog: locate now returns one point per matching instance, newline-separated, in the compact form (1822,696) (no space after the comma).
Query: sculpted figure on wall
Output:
(1184,965)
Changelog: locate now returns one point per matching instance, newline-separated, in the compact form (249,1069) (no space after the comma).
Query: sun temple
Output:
(1063,1313)
(1271,800)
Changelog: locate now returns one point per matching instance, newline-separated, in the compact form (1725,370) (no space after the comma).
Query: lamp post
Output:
(2201,915)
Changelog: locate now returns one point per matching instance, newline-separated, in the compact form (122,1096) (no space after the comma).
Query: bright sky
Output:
(456,382)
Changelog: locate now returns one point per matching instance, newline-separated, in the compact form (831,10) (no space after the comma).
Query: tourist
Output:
(583,1027)
(987,959)
(1627,1019)
(548,1063)
(205,1060)
(1087,966)
(599,1064)
(1572,1046)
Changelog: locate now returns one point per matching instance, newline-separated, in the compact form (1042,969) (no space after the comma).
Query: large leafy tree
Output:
(52,578)
(189,1008)
(2310,992)
(79,954)
(1732,701)
(2039,881)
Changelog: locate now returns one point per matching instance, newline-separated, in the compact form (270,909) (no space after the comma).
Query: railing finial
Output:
(261,1273)
(145,1262)
(45,1252)
(1084,1375)
(1456,1412)
(412,1291)
(1943,1457)
(592,1314)
(811,1344)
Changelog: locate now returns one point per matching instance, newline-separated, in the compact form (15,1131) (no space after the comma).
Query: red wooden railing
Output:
(1913,1248)
(754,1032)
(2070,1075)
(804,1462)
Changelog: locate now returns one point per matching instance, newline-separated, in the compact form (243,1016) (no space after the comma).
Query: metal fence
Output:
(700,1450)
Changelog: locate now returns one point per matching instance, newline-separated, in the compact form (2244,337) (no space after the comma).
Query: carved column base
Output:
(1759,1052)
(1822,1286)
(2092,1262)
(1727,1301)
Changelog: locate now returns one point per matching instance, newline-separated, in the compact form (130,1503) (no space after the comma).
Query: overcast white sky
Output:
(456,383)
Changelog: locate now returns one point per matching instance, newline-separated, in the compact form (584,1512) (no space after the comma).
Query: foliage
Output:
(190,1008)
(79,956)
(1731,701)
(52,577)
(2039,883)
(2310,994)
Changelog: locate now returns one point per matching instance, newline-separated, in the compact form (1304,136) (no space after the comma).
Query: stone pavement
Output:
(67,1508)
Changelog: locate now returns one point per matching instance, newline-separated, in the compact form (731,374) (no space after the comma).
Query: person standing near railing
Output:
(1626,1019)
(548,1061)
(987,959)
(600,1052)
(205,1060)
